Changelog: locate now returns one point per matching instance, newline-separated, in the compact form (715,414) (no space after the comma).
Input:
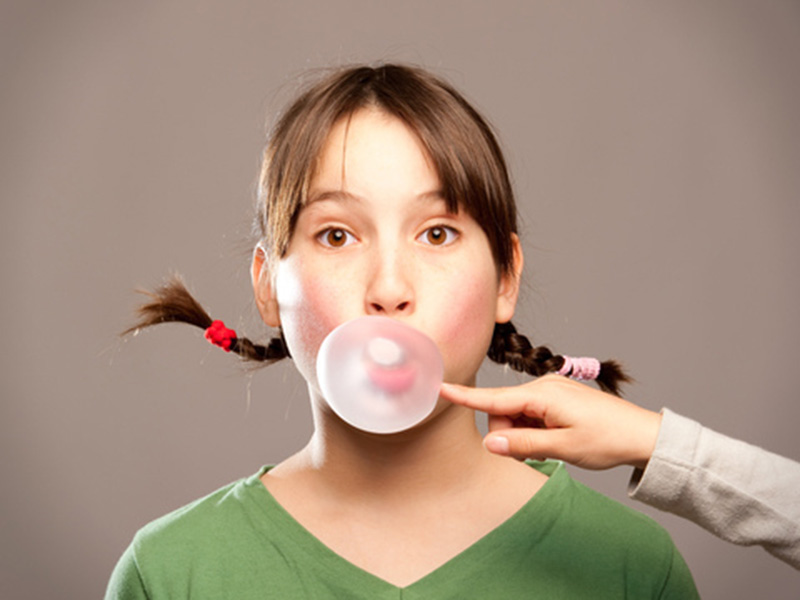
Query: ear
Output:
(508,291)
(262,287)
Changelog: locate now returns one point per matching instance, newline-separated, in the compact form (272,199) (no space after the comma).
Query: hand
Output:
(556,417)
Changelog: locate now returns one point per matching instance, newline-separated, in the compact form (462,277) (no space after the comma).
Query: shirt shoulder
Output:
(612,538)
(197,516)
(208,539)
(597,514)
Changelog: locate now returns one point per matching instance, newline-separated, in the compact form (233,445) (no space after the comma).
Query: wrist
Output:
(646,437)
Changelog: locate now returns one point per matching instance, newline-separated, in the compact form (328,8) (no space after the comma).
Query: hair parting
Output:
(515,350)
(172,303)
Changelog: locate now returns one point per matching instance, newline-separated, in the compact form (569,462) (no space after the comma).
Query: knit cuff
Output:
(663,480)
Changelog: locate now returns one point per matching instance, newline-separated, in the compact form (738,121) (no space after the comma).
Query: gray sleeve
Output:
(737,491)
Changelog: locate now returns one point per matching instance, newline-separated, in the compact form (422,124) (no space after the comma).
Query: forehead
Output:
(373,152)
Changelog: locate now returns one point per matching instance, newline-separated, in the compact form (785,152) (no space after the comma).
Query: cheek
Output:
(310,307)
(465,324)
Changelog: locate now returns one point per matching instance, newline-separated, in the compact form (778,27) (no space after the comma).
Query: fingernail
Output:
(497,444)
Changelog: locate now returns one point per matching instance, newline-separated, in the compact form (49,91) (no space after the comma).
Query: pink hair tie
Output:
(584,368)
(221,336)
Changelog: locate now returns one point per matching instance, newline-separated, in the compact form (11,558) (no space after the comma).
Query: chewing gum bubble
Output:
(379,375)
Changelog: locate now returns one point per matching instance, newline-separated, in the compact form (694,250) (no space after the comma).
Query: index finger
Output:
(494,401)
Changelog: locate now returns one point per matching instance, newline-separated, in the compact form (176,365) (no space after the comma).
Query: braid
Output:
(515,350)
(172,303)
(274,351)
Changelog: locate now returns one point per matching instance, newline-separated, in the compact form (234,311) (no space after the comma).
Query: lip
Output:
(394,380)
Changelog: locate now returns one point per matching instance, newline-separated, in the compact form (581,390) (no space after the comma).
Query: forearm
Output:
(737,491)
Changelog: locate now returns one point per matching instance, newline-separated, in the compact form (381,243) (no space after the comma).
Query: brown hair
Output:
(458,140)
(464,152)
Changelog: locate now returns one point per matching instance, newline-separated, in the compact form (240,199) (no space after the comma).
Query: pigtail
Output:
(515,350)
(172,303)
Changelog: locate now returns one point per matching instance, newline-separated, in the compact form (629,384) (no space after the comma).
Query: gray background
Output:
(655,149)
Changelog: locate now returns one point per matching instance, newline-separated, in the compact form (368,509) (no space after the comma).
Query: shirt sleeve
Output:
(737,491)
(126,580)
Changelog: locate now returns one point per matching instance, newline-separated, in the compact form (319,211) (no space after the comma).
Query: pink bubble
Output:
(379,375)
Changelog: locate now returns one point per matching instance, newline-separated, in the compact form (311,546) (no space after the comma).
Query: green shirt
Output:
(568,541)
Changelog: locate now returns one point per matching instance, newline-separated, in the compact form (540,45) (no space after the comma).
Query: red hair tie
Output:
(221,336)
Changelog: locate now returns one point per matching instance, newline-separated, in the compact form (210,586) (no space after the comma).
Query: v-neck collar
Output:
(282,528)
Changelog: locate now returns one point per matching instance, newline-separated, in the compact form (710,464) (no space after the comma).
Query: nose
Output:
(389,290)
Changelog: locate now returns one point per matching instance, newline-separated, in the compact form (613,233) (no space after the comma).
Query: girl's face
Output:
(375,238)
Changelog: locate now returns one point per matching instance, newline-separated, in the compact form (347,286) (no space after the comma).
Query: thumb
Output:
(537,444)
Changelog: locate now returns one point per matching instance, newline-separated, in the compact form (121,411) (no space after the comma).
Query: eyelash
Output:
(321,237)
(450,232)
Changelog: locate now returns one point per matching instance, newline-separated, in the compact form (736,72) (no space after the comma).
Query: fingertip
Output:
(450,391)
(497,444)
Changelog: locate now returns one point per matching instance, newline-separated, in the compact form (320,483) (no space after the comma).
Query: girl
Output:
(383,192)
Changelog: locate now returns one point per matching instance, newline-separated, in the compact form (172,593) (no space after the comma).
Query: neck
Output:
(440,454)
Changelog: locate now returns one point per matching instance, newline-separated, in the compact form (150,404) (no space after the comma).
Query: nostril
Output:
(389,308)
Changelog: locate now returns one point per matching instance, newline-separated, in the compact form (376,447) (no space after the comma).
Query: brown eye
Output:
(335,238)
(438,235)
